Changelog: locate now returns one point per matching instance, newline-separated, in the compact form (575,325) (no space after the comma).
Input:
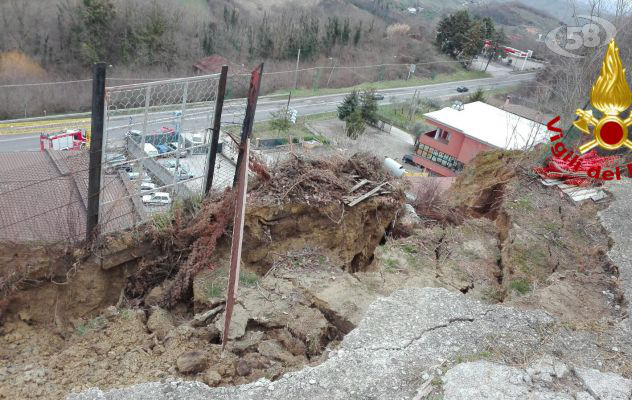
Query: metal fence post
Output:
(179,122)
(217,123)
(249,119)
(96,148)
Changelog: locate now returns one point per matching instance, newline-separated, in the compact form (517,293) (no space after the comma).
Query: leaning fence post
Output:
(241,182)
(96,148)
(217,123)
(249,120)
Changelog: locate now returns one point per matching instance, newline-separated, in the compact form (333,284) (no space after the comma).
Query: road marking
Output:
(47,126)
(16,139)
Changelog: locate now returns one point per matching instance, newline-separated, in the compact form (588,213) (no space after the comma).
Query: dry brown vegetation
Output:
(144,39)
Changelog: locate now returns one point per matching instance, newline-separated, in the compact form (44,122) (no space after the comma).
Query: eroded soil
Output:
(516,242)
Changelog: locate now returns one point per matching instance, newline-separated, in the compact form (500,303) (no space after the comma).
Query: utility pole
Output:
(491,55)
(525,61)
(298,60)
(332,71)
(96,150)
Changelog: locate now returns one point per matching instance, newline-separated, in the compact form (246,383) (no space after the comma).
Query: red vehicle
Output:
(68,140)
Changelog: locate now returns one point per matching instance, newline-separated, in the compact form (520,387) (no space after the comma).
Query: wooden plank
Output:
(367,195)
(235,251)
(359,185)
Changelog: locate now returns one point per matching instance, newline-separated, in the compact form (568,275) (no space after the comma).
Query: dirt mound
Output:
(516,241)
(480,188)
(318,180)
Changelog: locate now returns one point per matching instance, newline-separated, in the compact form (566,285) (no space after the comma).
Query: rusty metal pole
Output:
(249,119)
(217,123)
(241,182)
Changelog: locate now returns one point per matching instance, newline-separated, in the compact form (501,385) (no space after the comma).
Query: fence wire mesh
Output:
(157,141)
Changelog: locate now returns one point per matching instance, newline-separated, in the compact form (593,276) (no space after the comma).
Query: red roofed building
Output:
(213,65)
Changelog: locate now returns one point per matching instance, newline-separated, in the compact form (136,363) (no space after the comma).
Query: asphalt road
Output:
(197,119)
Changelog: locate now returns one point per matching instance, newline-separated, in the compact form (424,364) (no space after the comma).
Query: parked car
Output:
(462,89)
(408,159)
(173,147)
(378,96)
(158,198)
(197,139)
(163,150)
(147,187)
(151,150)
(133,175)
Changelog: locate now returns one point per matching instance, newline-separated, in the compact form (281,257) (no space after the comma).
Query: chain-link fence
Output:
(40,99)
(157,140)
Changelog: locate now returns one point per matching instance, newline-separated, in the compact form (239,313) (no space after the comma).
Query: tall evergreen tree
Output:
(368,106)
(355,125)
(474,43)
(349,105)
(452,33)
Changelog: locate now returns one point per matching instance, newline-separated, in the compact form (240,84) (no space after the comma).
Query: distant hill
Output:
(558,9)
(523,24)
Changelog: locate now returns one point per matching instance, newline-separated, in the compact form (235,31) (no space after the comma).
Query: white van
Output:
(151,150)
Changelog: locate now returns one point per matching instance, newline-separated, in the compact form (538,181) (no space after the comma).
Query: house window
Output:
(442,136)
(439,157)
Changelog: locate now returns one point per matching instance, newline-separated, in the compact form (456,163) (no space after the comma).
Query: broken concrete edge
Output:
(399,339)
(542,379)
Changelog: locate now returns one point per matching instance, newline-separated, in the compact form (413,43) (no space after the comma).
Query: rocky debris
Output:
(385,355)
(212,378)
(160,322)
(547,369)
(192,362)
(274,349)
(205,318)
(238,322)
(155,296)
(242,368)
(406,339)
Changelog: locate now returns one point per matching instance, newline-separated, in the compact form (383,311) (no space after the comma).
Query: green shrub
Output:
(521,286)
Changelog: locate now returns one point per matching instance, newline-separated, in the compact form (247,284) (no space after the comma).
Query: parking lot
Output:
(178,173)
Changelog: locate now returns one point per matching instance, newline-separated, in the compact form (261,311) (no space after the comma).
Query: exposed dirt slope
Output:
(168,284)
